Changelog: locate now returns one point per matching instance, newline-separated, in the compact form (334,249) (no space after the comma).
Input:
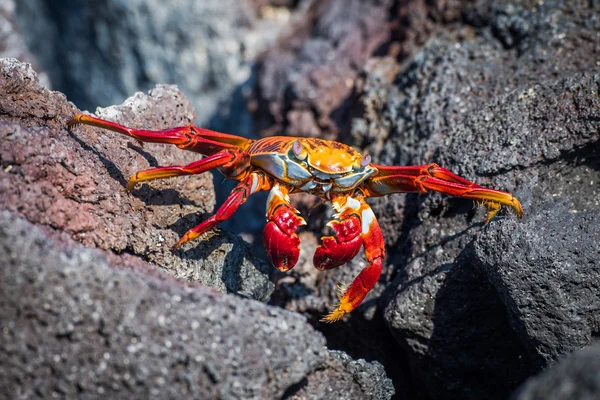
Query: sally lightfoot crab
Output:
(331,170)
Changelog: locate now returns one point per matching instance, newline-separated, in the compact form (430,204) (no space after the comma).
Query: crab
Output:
(330,170)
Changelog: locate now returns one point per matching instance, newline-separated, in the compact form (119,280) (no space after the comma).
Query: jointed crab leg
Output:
(372,239)
(225,159)
(279,236)
(253,183)
(185,137)
(424,178)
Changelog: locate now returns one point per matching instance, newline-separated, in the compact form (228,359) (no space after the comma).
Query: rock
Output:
(74,324)
(304,81)
(103,52)
(25,99)
(340,377)
(547,277)
(576,377)
(494,109)
(505,94)
(12,43)
(457,334)
(74,181)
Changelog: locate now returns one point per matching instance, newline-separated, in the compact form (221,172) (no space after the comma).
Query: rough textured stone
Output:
(341,377)
(509,100)
(74,182)
(502,92)
(75,325)
(307,82)
(547,277)
(576,377)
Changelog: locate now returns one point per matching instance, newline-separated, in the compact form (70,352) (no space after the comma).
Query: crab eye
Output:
(298,150)
(366,160)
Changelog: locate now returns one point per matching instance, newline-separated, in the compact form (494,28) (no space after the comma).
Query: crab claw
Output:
(338,250)
(282,244)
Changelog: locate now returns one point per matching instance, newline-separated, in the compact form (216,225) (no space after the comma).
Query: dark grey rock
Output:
(575,377)
(512,104)
(457,333)
(341,377)
(75,325)
(546,271)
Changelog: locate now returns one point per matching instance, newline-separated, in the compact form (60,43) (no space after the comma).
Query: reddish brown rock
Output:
(73,181)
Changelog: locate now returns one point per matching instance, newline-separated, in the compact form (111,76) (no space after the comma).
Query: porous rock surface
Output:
(510,101)
(75,324)
(560,266)
(341,377)
(110,321)
(504,93)
(74,181)
(306,81)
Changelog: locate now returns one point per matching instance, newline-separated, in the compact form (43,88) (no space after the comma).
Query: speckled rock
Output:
(73,181)
(75,324)
(509,100)
(341,377)
(547,277)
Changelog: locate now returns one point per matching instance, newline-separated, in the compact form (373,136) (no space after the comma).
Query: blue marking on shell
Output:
(352,180)
(309,186)
(297,171)
(272,164)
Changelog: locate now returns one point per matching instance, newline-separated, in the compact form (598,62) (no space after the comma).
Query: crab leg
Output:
(279,236)
(424,178)
(253,183)
(227,159)
(187,137)
(372,240)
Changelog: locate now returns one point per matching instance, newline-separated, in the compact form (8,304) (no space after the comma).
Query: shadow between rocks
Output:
(473,351)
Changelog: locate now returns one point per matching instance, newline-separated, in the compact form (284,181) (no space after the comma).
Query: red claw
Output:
(338,250)
(281,242)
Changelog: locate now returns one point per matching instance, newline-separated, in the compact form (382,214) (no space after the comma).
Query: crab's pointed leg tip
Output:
(519,210)
(178,245)
(130,186)
(73,122)
(333,316)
